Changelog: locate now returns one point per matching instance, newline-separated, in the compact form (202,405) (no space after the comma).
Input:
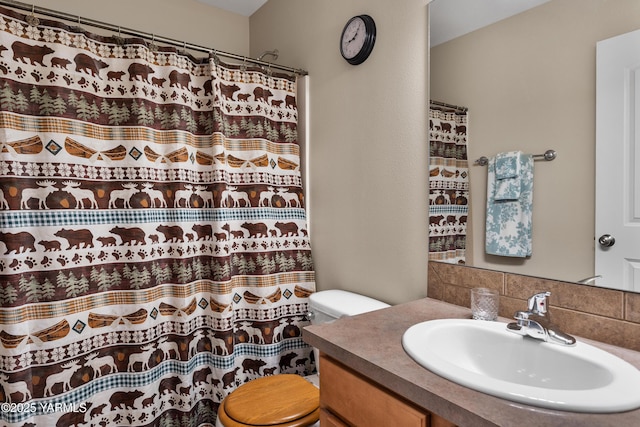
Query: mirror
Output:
(529,84)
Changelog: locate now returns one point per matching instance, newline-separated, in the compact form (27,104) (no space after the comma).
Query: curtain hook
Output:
(153,47)
(216,60)
(33,19)
(77,28)
(243,67)
(119,40)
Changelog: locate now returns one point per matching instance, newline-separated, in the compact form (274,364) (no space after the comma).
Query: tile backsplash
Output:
(606,315)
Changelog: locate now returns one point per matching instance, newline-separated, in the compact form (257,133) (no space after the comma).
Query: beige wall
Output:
(367,148)
(529,82)
(186,20)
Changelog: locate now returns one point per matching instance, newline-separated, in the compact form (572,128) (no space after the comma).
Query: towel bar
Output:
(548,155)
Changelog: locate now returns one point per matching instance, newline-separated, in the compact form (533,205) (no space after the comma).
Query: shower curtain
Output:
(154,252)
(448,184)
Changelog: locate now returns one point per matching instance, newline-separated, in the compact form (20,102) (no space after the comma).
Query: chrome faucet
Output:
(535,322)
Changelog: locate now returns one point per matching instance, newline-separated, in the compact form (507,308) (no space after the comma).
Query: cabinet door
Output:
(362,403)
(327,419)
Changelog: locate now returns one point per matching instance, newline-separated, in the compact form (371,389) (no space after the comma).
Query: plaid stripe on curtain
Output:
(154,249)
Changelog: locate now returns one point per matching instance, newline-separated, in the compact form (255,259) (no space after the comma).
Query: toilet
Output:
(289,400)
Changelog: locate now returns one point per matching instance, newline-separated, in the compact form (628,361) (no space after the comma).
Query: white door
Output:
(618,162)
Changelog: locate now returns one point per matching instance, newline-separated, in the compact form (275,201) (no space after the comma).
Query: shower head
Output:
(273,53)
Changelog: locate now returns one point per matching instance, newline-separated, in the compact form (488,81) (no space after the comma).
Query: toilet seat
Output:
(284,400)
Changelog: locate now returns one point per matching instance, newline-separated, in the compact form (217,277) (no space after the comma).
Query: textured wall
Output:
(368,184)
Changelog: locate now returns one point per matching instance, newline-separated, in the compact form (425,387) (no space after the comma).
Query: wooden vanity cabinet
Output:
(349,399)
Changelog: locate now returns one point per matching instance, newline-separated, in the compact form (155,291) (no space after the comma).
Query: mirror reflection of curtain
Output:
(154,252)
(448,183)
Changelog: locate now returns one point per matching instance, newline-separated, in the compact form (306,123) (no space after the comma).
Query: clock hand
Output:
(354,37)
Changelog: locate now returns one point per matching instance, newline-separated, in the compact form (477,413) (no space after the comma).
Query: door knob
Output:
(606,240)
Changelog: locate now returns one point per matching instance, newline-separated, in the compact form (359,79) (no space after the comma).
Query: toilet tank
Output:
(327,306)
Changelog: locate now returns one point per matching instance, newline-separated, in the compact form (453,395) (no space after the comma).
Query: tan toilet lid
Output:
(272,400)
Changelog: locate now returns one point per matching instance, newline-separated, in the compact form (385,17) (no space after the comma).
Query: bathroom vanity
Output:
(367,379)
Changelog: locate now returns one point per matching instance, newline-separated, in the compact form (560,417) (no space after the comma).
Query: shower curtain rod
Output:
(444,104)
(154,38)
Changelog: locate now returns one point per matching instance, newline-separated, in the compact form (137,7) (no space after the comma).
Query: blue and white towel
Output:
(507,176)
(509,205)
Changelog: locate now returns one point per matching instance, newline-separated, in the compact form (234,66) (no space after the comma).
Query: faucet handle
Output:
(538,303)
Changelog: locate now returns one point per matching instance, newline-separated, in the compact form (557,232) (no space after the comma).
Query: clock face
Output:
(358,38)
(353,38)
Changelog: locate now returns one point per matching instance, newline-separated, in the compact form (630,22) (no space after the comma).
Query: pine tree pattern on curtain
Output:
(448,185)
(154,251)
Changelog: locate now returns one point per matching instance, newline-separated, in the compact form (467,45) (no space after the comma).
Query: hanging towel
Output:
(508,225)
(507,176)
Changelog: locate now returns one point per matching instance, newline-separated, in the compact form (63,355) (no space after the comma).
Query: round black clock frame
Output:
(369,41)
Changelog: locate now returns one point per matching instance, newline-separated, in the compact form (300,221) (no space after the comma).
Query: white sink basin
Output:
(486,357)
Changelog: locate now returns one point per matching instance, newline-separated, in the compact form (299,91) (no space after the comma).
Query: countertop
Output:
(370,344)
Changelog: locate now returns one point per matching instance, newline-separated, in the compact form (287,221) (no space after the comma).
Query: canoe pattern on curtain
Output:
(153,243)
(448,185)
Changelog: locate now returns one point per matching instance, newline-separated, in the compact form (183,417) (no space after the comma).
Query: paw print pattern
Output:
(4,67)
(20,73)
(37,76)
(30,262)
(52,77)
(68,79)
(62,260)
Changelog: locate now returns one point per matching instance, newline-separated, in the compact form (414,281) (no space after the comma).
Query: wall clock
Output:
(357,39)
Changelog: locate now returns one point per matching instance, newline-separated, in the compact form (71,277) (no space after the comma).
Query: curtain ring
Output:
(77,28)
(153,47)
(33,19)
(119,40)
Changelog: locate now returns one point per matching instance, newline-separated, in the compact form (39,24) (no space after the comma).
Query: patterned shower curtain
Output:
(448,184)
(154,251)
